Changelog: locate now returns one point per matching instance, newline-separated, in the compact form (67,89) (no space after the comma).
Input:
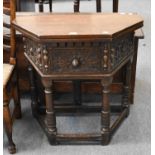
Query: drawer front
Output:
(79,59)
(75,60)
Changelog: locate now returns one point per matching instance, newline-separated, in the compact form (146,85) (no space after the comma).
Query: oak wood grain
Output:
(71,25)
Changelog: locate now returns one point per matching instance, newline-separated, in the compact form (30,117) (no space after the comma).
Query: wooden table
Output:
(77,47)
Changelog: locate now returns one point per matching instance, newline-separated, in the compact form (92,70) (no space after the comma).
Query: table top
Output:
(77,25)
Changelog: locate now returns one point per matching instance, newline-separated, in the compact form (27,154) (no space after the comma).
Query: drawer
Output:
(75,60)
(78,58)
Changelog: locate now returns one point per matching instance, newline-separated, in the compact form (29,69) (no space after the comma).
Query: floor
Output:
(134,135)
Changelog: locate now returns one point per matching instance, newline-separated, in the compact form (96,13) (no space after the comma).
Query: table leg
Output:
(133,70)
(126,93)
(105,113)
(50,119)
(33,90)
(16,95)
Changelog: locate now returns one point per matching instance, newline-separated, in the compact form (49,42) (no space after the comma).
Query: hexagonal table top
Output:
(76,25)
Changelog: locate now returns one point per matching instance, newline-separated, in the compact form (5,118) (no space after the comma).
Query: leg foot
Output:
(8,127)
(105,137)
(12,148)
(52,140)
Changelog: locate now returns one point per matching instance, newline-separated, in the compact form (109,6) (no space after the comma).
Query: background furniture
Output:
(98,5)
(87,54)
(41,3)
(10,83)
(21,5)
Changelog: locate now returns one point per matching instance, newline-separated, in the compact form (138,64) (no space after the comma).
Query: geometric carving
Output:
(80,56)
(121,49)
(88,60)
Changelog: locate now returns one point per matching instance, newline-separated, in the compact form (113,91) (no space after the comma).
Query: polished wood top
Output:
(77,25)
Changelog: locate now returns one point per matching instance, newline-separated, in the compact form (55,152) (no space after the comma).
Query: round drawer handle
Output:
(75,62)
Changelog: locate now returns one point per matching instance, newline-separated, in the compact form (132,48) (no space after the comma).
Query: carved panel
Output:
(38,54)
(120,50)
(79,56)
(76,60)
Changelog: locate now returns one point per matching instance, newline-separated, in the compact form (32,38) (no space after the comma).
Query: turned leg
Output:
(115,5)
(8,123)
(105,113)
(16,96)
(33,90)
(50,113)
(126,92)
(76,5)
(77,92)
(98,5)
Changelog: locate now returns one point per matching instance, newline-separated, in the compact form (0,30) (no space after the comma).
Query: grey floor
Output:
(133,136)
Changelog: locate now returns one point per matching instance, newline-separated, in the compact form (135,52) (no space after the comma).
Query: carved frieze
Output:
(80,56)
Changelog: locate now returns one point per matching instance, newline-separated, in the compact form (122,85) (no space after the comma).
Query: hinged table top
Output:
(77,25)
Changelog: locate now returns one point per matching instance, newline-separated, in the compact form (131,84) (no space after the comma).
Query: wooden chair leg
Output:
(76,5)
(98,5)
(41,7)
(8,126)
(115,5)
(50,5)
(16,97)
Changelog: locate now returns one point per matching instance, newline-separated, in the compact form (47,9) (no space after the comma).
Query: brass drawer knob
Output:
(75,62)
